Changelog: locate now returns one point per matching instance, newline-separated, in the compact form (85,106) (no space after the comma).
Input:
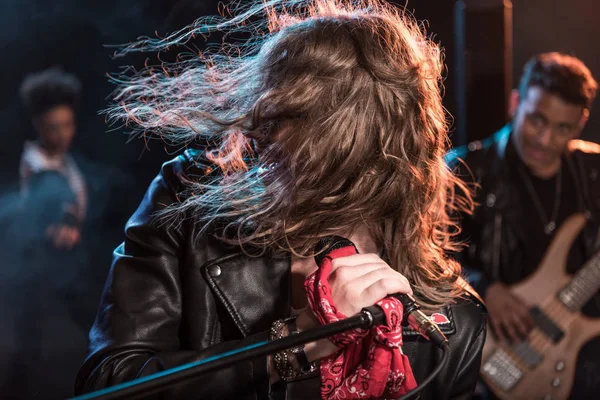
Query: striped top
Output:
(35,159)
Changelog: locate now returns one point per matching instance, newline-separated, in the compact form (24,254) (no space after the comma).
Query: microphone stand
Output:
(157,382)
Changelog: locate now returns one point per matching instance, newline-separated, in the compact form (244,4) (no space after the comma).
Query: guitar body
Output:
(505,368)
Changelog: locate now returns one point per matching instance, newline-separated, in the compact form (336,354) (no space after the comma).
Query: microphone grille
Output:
(329,243)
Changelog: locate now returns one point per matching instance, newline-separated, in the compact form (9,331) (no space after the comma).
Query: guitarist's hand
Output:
(509,317)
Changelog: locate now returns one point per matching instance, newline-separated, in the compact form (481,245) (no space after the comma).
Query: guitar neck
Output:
(583,286)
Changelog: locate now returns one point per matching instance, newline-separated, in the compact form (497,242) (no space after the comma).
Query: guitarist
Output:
(531,176)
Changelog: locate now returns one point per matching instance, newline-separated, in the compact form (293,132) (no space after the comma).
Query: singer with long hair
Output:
(327,121)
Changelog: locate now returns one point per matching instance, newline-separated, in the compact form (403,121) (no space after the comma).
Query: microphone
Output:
(412,317)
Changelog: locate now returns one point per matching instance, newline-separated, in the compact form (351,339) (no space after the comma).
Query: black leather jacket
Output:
(174,297)
(494,232)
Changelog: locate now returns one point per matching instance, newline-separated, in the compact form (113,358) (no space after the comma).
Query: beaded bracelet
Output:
(298,351)
(291,363)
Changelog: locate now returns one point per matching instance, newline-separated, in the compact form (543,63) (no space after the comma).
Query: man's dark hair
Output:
(49,88)
(562,75)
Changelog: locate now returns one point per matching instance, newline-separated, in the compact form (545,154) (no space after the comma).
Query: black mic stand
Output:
(157,382)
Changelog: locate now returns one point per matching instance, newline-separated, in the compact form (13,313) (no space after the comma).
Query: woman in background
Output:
(42,251)
(51,183)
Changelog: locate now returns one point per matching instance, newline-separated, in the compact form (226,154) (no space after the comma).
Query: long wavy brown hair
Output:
(330,117)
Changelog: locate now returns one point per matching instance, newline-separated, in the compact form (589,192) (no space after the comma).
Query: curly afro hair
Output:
(49,88)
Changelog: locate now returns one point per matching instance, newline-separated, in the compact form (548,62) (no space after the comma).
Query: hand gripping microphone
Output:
(413,316)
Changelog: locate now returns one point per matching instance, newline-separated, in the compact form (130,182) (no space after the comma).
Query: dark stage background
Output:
(35,34)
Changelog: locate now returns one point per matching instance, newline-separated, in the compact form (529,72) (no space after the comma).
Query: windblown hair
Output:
(329,119)
(560,74)
(49,88)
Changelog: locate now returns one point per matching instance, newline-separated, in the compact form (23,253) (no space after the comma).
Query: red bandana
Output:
(370,364)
